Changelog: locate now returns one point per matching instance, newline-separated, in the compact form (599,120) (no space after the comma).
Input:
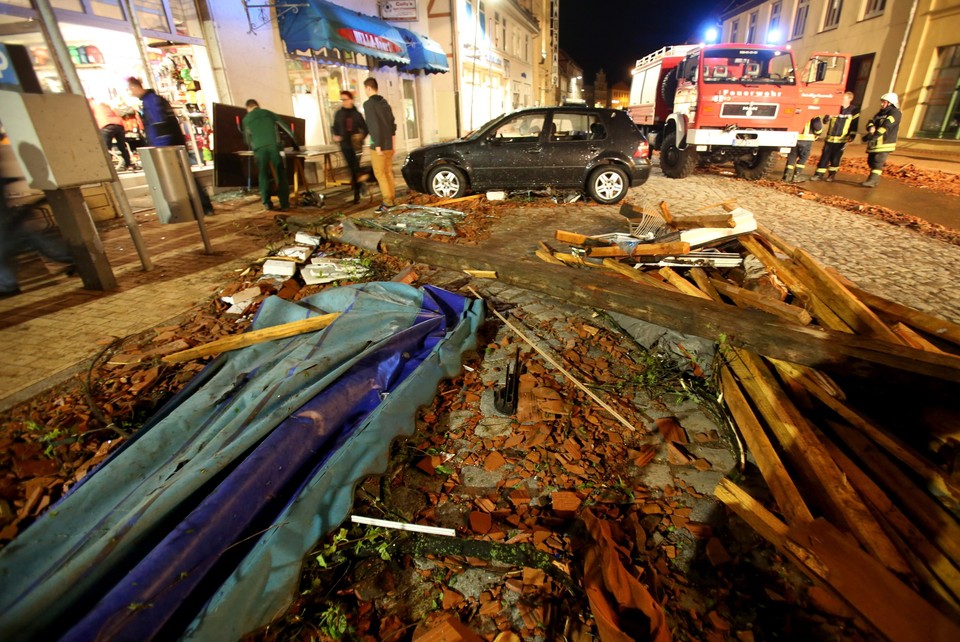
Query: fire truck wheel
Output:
(446,181)
(754,167)
(608,184)
(674,162)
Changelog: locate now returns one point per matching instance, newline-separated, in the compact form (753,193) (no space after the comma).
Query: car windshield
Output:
(748,66)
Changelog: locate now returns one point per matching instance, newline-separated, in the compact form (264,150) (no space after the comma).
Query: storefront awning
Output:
(425,54)
(324,25)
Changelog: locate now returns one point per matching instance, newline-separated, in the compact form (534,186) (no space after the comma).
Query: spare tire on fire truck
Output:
(668,87)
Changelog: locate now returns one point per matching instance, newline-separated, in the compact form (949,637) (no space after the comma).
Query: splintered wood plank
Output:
(829,558)
(911,459)
(807,455)
(572,259)
(751,299)
(821,311)
(914,339)
(642,249)
(925,511)
(548,257)
(926,559)
(932,325)
(848,307)
(682,284)
(253,337)
(694,221)
(778,241)
(636,275)
(702,280)
(573,238)
(782,487)
(665,212)
(462,199)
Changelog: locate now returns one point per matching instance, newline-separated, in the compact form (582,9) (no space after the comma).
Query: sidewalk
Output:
(52,329)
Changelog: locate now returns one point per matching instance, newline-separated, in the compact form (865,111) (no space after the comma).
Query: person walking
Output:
(260,132)
(881,136)
(797,158)
(112,130)
(17,235)
(162,127)
(383,130)
(349,129)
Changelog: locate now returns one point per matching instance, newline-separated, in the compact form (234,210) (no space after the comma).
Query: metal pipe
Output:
(68,72)
(903,45)
(148,80)
(194,190)
(458,61)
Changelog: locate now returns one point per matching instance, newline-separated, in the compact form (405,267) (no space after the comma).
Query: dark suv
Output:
(599,151)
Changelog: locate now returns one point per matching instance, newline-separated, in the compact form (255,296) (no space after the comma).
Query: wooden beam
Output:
(914,339)
(703,220)
(776,240)
(821,311)
(573,238)
(828,557)
(637,275)
(755,300)
(548,257)
(703,282)
(752,329)
(682,284)
(665,212)
(253,337)
(451,201)
(784,491)
(934,326)
(848,307)
(801,447)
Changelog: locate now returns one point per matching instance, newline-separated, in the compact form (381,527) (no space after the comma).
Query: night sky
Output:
(612,34)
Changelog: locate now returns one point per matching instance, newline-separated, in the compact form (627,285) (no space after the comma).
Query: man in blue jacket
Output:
(163,127)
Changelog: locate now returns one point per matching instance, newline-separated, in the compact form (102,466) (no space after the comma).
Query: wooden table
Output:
(322,153)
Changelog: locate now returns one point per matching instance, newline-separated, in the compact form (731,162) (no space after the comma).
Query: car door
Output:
(509,155)
(574,139)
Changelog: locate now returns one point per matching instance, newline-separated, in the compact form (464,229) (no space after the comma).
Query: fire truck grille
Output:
(748,110)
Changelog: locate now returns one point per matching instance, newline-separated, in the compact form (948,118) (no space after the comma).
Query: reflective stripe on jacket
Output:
(885,125)
(811,130)
(843,124)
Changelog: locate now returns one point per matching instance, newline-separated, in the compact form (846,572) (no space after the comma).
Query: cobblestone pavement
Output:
(891,261)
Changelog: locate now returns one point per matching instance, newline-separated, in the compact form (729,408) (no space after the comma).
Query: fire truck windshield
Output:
(748,66)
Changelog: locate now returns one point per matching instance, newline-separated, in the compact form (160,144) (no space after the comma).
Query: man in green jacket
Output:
(260,132)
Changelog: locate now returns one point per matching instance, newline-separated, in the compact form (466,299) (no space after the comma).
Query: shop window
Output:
(185,20)
(152,15)
(107,9)
(832,19)
(410,109)
(941,117)
(68,5)
(800,20)
(874,8)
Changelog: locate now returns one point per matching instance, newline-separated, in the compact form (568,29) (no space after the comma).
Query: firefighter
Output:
(797,158)
(841,129)
(881,137)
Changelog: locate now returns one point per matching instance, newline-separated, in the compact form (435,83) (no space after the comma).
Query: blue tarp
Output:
(324,25)
(200,523)
(425,54)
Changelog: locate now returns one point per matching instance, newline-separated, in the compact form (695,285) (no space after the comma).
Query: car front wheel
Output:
(446,181)
(608,184)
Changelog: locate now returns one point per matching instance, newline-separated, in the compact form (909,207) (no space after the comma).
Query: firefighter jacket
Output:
(882,130)
(812,129)
(842,127)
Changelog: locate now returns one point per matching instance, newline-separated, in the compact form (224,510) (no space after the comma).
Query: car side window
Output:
(572,126)
(524,128)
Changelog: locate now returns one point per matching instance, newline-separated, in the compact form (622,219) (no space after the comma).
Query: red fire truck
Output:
(739,103)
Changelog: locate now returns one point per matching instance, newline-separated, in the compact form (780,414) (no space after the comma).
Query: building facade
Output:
(911,47)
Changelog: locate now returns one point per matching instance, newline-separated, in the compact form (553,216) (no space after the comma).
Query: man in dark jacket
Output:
(841,129)
(349,129)
(881,136)
(383,130)
(162,127)
(260,132)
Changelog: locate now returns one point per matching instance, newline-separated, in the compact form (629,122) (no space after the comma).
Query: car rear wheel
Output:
(446,181)
(608,184)
(676,162)
(754,167)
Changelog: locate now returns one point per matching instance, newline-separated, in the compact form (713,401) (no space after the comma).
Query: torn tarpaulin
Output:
(206,514)
(686,351)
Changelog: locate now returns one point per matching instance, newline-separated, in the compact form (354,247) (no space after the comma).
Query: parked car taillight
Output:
(643,150)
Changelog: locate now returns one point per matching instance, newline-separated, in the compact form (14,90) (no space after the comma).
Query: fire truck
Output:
(739,103)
